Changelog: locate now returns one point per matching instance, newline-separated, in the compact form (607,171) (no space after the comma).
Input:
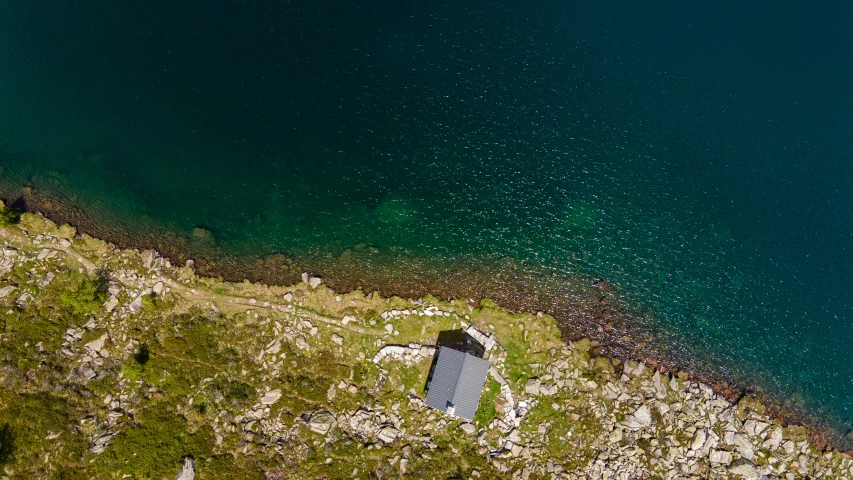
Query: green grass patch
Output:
(486,411)
(26,420)
(156,446)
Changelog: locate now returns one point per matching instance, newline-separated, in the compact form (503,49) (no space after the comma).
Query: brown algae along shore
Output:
(130,366)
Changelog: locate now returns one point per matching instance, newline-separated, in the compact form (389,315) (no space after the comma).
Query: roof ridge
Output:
(459,378)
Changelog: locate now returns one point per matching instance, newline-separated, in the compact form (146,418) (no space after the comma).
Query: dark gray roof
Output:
(457,382)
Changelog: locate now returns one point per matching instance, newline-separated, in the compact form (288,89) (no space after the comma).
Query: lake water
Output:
(697,158)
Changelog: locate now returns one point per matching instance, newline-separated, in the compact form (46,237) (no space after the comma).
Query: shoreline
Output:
(303,375)
(595,316)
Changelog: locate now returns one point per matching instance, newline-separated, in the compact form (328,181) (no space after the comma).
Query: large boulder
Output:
(641,418)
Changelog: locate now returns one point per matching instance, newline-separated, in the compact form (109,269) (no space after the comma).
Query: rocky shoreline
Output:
(131,366)
(594,314)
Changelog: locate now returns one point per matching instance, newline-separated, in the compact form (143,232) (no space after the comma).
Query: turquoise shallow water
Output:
(696,158)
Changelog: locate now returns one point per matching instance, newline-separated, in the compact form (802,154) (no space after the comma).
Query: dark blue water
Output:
(697,158)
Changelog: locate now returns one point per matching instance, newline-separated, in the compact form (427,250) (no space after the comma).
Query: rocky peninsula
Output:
(117,364)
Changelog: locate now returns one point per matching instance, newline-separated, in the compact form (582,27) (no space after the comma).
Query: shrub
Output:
(88,295)
(9,216)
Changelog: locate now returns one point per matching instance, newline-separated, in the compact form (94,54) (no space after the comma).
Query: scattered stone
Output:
(111,304)
(315,281)
(698,439)
(532,386)
(5,291)
(136,305)
(642,418)
(337,339)
(468,428)
(271,397)
(745,469)
(321,422)
(387,434)
(188,472)
(615,436)
(101,442)
(288,297)
(96,345)
(720,456)
(158,288)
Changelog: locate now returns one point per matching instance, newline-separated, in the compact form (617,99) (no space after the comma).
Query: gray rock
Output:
(745,469)
(775,439)
(641,418)
(743,445)
(188,472)
(321,422)
(271,397)
(315,282)
(532,386)
(615,436)
(468,428)
(158,288)
(337,339)
(47,279)
(101,442)
(96,345)
(111,304)
(387,434)
(496,375)
(136,304)
(720,456)
(698,439)
(5,291)
(288,297)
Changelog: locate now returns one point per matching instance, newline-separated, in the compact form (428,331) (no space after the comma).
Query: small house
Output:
(457,383)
